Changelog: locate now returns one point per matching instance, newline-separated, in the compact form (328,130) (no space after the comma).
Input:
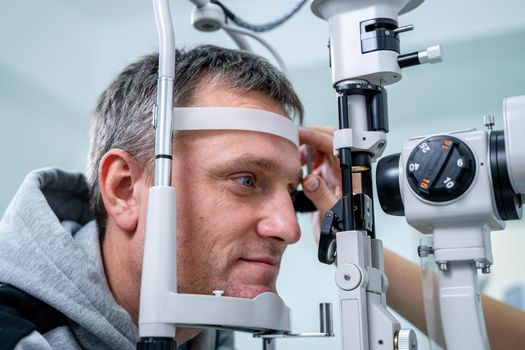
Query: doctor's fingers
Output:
(324,128)
(321,146)
(319,193)
(317,139)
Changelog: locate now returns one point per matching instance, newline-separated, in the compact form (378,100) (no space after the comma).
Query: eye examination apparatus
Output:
(456,186)
(480,171)
(275,175)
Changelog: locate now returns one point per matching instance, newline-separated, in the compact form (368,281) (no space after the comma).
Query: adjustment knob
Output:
(441,168)
(405,339)
(431,55)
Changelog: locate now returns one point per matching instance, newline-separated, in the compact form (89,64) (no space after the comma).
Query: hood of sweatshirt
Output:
(49,248)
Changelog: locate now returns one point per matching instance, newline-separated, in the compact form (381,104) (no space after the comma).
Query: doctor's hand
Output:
(323,185)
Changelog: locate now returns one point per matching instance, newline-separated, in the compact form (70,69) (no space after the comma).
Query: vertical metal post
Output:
(326,324)
(345,161)
(269,344)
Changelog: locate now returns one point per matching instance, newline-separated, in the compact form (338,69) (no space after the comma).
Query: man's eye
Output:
(246,180)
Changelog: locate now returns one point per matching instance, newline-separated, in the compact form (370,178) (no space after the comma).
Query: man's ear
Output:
(120,181)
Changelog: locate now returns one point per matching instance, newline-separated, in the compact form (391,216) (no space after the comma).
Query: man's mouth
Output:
(255,274)
(266,264)
(263,259)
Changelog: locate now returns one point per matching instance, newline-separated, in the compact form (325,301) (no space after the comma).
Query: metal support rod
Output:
(163,112)
(459,294)
(269,344)
(345,161)
(326,324)
(160,236)
(368,189)
(164,129)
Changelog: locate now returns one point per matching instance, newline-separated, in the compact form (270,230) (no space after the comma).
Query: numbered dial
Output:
(441,168)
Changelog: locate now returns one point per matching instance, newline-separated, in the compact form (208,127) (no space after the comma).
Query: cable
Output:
(239,39)
(259,28)
(242,31)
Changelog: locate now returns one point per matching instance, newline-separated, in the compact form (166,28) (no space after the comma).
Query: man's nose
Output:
(279,219)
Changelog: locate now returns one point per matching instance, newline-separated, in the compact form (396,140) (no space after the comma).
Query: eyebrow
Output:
(247,161)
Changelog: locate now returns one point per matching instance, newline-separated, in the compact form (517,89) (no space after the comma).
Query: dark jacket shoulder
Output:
(21,314)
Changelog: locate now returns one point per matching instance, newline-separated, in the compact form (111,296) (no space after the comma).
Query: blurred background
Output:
(57,56)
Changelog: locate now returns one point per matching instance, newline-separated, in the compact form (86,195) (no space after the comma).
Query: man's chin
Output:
(248,292)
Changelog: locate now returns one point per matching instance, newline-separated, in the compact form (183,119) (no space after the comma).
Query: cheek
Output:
(140,234)
(211,231)
(206,252)
(209,220)
(194,246)
(135,255)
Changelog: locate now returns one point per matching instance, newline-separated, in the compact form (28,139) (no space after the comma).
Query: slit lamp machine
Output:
(455,186)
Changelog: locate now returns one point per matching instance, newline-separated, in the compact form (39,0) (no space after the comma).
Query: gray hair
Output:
(122,118)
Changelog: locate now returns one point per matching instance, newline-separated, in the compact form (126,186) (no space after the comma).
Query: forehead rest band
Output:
(233,118)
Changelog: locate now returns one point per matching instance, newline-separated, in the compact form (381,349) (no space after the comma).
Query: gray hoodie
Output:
(49,249)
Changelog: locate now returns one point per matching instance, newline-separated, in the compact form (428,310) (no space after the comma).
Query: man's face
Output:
(234,212)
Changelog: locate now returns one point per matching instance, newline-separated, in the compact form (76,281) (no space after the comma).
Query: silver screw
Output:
(423,251)
(488,121)
(479,264)
(347,276)
(486,269)
(443,266)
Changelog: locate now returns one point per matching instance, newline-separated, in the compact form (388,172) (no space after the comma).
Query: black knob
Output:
(387,182)
(441,168)
(508,203)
